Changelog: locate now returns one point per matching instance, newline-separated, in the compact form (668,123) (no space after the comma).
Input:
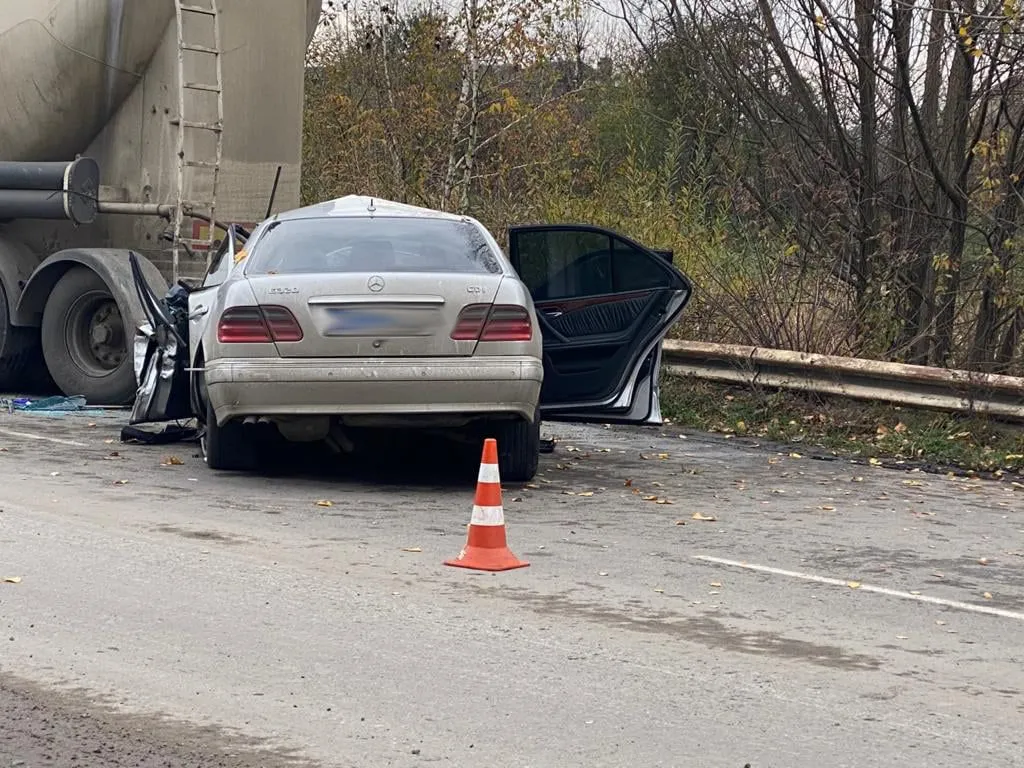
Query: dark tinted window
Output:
(378,244)
(568,263)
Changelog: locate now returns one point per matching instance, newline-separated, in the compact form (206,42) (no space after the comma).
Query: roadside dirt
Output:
(48,728)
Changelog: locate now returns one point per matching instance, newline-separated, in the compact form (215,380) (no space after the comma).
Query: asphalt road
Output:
(170,616)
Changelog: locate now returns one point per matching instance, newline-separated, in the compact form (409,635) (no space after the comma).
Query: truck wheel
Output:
(84,340)
(519,449)
(227,447)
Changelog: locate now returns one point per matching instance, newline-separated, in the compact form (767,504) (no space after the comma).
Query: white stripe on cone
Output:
(487,516)
(489,474)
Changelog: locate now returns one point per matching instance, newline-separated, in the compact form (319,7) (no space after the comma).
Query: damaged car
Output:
(358,315)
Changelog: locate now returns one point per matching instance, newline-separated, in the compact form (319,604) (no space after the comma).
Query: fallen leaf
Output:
(716,583)
(587,493)
(874,462)
(828,508)
(882,430)
(680,522)
(412,549)
(120,482)
(983,561)
(568,493)
(987,595)
(795,456)
(663,501)
(602,573)
(324,503)
(54,474)
(173,461)
(108,441)
(659,590)
(705,518)
(91,424)
(662,455)
(914,483)
(853,584)
(532,485)
(901,637)
(12,579)
(628,483)
(900,428)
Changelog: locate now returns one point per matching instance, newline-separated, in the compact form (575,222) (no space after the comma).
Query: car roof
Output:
(362,206)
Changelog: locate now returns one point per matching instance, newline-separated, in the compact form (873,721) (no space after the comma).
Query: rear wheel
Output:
(227,447)
(84,340)
(518,448)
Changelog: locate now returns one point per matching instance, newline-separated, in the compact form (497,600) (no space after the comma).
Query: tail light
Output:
(254,325)
(502,322)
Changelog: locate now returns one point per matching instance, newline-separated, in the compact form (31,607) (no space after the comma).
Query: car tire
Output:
(519,449)
(227,447)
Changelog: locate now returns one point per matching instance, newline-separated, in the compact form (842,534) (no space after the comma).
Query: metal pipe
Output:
(50,190)
(136,209)
(45,176)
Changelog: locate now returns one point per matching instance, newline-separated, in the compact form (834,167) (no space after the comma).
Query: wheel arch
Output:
(110,264)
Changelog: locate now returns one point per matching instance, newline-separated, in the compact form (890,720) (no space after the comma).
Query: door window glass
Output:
(566,263)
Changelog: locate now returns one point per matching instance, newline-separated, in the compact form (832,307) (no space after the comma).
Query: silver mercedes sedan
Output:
(362,314)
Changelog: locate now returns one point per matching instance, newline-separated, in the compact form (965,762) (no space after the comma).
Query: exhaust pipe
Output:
(62,190)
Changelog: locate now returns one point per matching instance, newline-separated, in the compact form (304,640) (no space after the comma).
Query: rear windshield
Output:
(379,244)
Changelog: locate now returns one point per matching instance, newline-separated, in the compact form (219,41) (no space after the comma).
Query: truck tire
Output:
(227,447)
(85,343)
(19,350)
(518,449)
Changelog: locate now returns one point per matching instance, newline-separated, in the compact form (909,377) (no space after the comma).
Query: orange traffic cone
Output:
(486,548)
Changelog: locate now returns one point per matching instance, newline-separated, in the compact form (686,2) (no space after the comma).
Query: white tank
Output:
(66,66)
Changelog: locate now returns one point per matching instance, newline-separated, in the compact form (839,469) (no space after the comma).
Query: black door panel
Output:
(595,316)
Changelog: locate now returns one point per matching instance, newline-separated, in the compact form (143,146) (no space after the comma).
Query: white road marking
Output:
(865,588)
(31,436)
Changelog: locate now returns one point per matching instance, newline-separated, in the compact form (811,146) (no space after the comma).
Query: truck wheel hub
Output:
(95,333)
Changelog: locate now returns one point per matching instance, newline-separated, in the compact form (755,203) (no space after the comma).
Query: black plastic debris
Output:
(172,433)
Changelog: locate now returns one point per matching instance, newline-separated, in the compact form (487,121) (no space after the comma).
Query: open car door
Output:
(166,348)
(604,303)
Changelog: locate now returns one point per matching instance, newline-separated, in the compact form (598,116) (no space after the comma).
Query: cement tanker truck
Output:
(132,126)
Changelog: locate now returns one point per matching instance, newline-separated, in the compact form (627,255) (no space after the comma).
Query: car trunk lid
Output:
(376,314)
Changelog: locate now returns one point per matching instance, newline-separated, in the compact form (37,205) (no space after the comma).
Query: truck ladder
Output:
(199,17)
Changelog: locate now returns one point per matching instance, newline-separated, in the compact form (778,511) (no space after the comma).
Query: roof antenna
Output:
(273,193)
(371,207)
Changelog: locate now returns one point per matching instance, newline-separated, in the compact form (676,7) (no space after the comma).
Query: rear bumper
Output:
(367,386)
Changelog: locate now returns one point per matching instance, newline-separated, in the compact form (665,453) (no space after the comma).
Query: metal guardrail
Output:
(912,385)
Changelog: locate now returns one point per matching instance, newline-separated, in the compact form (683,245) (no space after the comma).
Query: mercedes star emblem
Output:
(375,284)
